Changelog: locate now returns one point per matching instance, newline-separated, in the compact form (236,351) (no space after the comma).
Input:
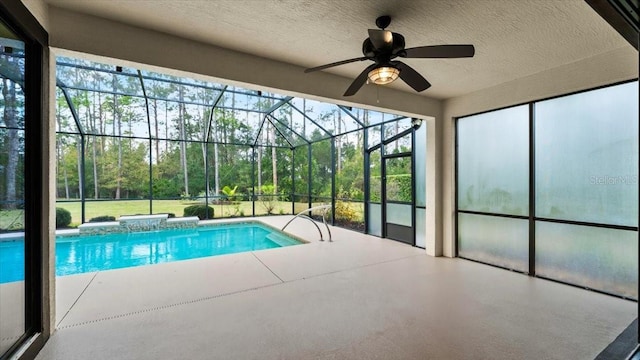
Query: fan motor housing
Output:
(367,48)
(371,52)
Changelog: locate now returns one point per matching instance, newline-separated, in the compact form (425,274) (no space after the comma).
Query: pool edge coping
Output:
(14,236)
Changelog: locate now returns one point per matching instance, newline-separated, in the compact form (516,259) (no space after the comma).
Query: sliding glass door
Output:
(12,214)
(23,110)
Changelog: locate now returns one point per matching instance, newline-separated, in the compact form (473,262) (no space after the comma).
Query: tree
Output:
(119,140)
(183,151)
(216,159)
(13,103)
(274,159)
(12,139)
(157,90)
(60,148)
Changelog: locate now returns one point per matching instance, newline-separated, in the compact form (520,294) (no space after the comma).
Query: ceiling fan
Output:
(382,47)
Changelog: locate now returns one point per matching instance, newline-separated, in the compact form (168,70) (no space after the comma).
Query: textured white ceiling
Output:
(513,38)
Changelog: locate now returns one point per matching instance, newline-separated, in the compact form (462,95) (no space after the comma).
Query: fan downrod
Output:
(383,21)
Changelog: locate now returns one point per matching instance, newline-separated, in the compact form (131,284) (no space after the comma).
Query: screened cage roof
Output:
(140,104)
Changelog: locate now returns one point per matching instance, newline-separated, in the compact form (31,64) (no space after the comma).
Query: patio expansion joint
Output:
(163,307)
(268,268)
(78,298)
(360,267)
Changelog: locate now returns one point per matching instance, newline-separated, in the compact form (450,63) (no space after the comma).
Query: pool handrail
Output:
(324,221)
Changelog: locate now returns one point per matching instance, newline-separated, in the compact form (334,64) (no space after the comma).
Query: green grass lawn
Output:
(132,207)
(14,219)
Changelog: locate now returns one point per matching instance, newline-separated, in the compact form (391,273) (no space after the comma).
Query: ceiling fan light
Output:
(383,75)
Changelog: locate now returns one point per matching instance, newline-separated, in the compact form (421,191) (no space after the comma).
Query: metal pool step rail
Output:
(301,214)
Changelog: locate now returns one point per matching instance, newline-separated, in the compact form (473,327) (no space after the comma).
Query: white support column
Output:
(433,184)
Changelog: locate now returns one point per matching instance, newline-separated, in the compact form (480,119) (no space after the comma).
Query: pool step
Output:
(281,240)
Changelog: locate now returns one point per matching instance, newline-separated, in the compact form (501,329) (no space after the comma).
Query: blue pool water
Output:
(80,254)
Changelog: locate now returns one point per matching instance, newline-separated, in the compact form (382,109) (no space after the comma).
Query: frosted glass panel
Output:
(587,156)
(421,228)
(493,162)
(597,258)
(420,155)
(494,240)
(374,226)
(399,214)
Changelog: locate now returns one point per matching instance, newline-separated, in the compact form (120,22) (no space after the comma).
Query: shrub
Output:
(399,186)
(269,204)
(188,197)
(345,212)
(165,188)
(102,218)
(229,192)
(170,215)
(234,211)
(243,197)
(63,218)
(200,211)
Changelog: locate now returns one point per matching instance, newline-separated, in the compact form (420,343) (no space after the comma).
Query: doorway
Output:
(394,174)
(397,197)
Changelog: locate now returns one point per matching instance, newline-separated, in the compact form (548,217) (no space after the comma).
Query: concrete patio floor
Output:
(359,297)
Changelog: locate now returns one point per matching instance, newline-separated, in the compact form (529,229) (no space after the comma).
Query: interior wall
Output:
(604,69)
(39,10)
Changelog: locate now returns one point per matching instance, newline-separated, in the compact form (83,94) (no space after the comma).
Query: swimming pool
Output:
(80,254)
